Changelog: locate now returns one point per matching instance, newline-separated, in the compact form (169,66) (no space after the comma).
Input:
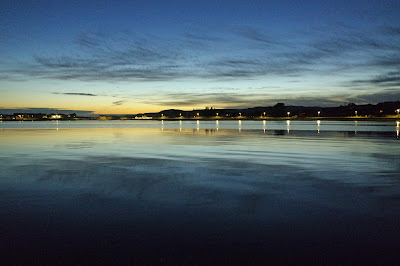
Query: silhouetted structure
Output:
(281,110)
(384,109)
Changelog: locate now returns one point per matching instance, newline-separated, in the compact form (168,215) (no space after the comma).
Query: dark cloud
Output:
(255,34)
(118,102)
(390,30)
(76,93)
(127,56)
(45,111)
(391,60)
(91,40)
(247,67)
(198,41)
(203,37)
(386,95)
(390,79)
(109,58)
(250,99)
(236,100)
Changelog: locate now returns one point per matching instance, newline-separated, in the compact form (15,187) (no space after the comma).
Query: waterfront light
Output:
(264,113)
(288,114)
(240,114)
(217,114)
(398,124)
(355,124)
(198,114)
(319,112)
(355,113)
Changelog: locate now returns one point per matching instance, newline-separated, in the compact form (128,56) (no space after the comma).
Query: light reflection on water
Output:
(378,126)
(254,183)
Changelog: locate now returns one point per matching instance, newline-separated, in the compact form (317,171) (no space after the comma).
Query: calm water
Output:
(199,192)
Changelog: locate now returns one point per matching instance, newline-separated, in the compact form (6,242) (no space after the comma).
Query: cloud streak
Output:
(245,100)
(117,103)
(255,34)
(390,79)
(76,93)
(131,57)
(32,110)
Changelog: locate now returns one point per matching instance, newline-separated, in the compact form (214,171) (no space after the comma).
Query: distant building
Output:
(143,116)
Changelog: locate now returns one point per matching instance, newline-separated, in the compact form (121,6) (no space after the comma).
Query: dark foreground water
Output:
(198,193)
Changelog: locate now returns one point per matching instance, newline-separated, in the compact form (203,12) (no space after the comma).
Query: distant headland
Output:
(384,110)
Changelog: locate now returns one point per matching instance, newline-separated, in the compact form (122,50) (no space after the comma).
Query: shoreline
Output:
(350,118)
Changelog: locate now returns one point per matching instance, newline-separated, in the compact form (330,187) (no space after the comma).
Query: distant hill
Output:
(281,110)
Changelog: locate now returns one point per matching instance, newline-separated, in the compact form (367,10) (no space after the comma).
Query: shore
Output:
(349,118)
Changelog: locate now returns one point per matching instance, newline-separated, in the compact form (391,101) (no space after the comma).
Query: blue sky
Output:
(141,56)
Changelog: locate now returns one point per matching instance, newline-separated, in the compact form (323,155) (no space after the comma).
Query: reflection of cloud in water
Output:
(239,186)
(77,145)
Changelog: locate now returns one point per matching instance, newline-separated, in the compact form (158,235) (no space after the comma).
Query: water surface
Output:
(200,192)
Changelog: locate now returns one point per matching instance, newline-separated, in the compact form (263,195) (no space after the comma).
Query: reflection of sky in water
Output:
(322,125)
(362,160)
(267,179)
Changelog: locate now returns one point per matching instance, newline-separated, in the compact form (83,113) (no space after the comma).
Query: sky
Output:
(129,57)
